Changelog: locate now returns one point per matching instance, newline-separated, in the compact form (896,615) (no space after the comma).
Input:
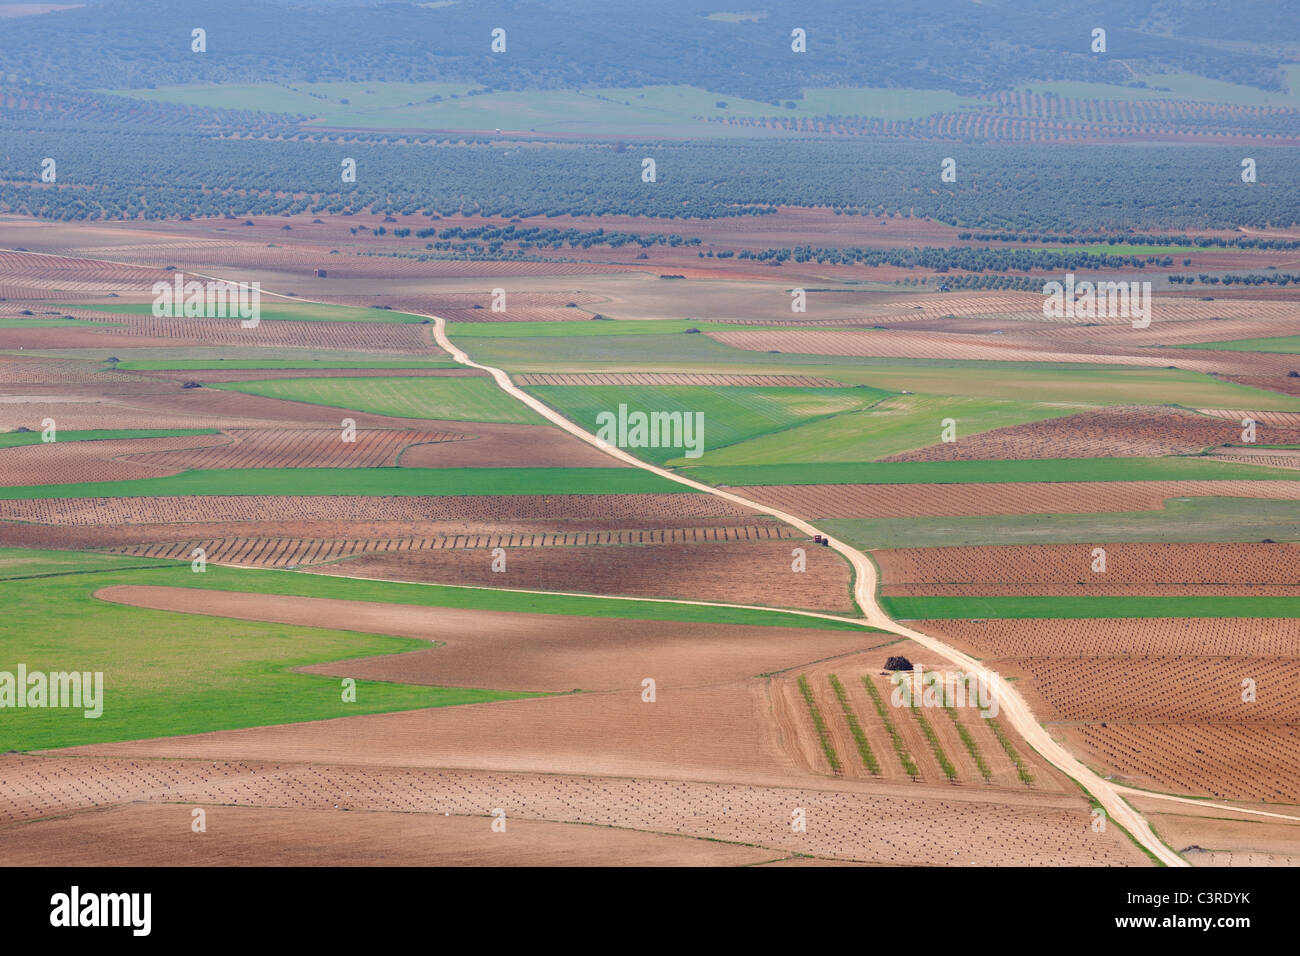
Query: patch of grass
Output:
(23,562)
(944,608)
(1022,770)
(900,748)
(367,482)
(587,328)
(977,472)
(898,423)
(855,727)
(278,310)
(927,729)
(1181,520)
(822,733)
(217,364)
(732,414)
(1079,383)
(14,439)
(1284,344)
(455,398)
(968,741)
(167,673)
(51,322)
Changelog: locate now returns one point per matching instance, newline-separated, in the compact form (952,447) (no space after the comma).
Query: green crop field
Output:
(278,310)
(1189,520)
(14,439)
(1282,344)
(153,683)
(962,472)
(653,351)
(218,364)
(899,423)
(366,482)
(732,414)
(454,398)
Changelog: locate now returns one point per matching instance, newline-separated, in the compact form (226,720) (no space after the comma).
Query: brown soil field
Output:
(270,333)
(261,550)
(1166,690)
(161,835)
(1067,497)
(1288,420)
(947,346)
(1029,569)
(207,375)
(154,404)
(744,573)
(527,652)
(1158,702)
(718,732)
(1223,760)
(1113,432)
(1130,638)
(1206,838)
(298,448)
(869,665)
(110,460)
(267,542)
(676,378)
(885,825)
(74,512)
(1261,456)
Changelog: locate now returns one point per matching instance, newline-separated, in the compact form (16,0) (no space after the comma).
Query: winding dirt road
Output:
(1011,703)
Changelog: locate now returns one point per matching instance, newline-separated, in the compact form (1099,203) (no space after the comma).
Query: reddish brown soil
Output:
(749,573)
(207,375)
(1067,569)
(1115,432)
(1012,498)
(161,835)
(73,461)
(522,651)
(910,824)
(299,448)
(286,508)
(1121,637)
(675,378)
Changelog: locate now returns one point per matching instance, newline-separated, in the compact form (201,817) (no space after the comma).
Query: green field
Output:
(217,364)
(951,608)
(1283,344)
(368,482)
(589,327)
(1070,384)
(13,439)
(1190,520)
(732,414)
(464,399)
(166,673)
(10,322)
(278,310)
(961,472)
(899,423)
